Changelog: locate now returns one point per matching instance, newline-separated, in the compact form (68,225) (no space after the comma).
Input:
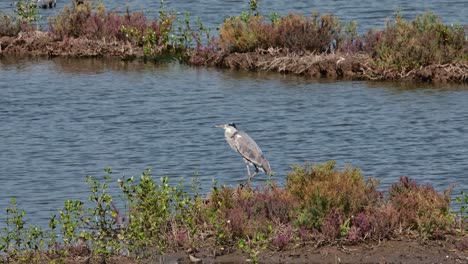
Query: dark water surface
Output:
(63,119)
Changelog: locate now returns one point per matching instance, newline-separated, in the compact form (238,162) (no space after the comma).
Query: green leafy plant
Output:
(150,207)
(27,10)
(101,218)
(463,201)
(275,18)
(253,5)
(345,227)
(156,210)
(253,246)
(70,221)
(166,23)
(13,233)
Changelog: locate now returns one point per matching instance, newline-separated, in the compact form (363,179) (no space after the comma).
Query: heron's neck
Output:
(230,132)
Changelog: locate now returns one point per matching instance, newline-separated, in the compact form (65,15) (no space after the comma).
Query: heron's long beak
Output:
(219,126)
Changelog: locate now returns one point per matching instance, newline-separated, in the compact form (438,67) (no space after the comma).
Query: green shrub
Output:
(406,45)
(160,215)
(293,32)
(19,242)
(322,188)
(239,34)
(319,204)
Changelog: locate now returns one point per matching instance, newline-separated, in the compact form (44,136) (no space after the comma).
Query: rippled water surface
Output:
(61,119)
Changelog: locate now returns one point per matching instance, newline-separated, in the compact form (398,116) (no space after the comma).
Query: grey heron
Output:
(247,148)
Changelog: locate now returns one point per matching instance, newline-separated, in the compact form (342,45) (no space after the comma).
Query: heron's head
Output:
(230,126)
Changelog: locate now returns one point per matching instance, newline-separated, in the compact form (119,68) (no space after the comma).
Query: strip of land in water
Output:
(316,46)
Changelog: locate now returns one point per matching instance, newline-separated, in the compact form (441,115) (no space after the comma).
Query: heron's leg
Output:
(256,171)
(248,173)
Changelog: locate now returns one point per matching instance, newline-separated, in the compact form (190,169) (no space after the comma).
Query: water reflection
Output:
(100,65)
(410,86)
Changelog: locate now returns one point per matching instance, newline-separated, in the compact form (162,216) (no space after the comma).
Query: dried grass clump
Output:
(8,26)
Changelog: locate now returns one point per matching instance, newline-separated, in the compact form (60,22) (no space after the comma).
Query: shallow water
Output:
(63,119)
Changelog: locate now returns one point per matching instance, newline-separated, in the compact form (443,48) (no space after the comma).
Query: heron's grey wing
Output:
(247,147)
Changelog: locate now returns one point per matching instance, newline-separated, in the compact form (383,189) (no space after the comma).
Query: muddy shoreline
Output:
(389,251)
(334,66)
(393,251)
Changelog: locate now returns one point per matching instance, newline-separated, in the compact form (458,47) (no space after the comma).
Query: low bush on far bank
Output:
(8,25)
(96,23)
(402,45)
(424,49)
(406,45)
(320,205)
(23,18)
(296,33)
